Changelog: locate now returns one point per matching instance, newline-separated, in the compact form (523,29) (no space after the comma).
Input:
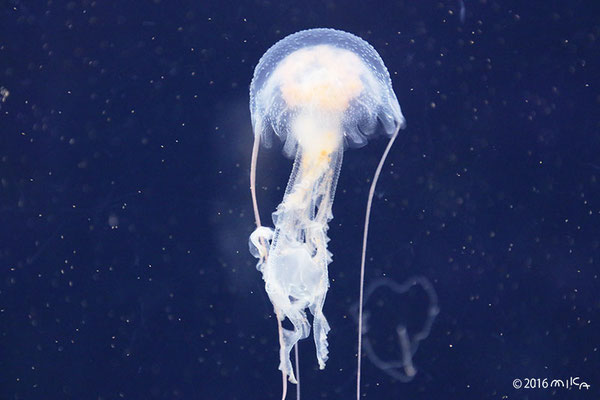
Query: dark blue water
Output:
(125,144)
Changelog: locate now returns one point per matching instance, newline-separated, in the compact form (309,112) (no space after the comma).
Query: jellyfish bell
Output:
(335,77)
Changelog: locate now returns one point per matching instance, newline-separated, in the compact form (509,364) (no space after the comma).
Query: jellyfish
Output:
(402,369)
(319,91)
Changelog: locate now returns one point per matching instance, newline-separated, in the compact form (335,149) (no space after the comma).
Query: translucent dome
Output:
(335,77)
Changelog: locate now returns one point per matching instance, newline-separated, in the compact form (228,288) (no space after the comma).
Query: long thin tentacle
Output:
(253,164)
(253,179)
(297,359)
(363,255)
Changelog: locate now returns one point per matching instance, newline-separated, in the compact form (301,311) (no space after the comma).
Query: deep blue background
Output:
(125,145)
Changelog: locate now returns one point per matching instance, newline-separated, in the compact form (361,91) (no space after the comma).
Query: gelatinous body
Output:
(319,91)
(403,368)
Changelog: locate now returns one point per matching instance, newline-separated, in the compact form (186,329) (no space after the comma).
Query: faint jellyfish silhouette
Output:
(402,369)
